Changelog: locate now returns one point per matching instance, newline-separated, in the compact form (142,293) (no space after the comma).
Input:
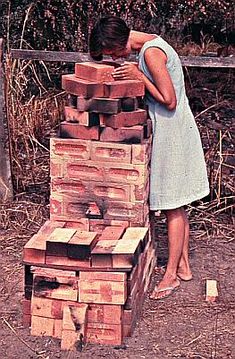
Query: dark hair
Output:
(108,33)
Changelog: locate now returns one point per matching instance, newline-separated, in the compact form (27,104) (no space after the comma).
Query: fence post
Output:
(6,190)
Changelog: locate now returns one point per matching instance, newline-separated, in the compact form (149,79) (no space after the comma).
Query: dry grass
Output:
(31,120)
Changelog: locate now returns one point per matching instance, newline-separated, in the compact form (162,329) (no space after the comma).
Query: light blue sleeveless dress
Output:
(178,173)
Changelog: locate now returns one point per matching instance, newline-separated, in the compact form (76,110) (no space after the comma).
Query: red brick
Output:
(56,168)
(125,119)
(79,87)
(74,316)
(81,244)
(86,192)
(26,306)
(77,149)
(134,134)
(41,327)
(124,211)
(110,152)
(82,224)
(69,186)
(99,105)
(101,255)
(105,314)
(67,263)
(129,104)
(101,261)
(35,248)
(112,233)
(104,334)
(102,292)
(26,320)
(56,209)
(56,243)
(124,88)
(99,225)
(47,287)
(94,72)
(141,153)
(47,308)
(74,130)
(71,100)
(57,330)
(104,171)
(140,193)
(103,276)
(82,118)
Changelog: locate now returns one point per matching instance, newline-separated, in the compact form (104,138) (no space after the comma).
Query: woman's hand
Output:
(128,71)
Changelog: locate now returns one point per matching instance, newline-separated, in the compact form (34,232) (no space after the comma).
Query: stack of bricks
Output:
(88,268)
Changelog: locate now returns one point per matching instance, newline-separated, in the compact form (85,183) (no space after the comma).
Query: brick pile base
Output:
(88,268)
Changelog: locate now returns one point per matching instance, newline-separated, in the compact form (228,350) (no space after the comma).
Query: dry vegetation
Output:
(35,101)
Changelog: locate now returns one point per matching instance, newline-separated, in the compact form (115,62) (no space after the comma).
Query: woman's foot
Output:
(165,288)
(184,271)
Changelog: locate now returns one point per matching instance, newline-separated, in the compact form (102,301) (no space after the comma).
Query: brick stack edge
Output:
(88,268)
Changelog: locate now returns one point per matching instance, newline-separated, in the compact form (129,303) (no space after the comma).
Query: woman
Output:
(178,171)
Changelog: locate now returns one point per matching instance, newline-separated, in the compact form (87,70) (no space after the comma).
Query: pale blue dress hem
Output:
(183,202)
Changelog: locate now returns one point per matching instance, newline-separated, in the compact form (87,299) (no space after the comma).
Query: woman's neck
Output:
(138,39)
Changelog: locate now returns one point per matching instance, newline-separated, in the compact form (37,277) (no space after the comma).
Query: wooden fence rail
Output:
(6,191)
(191,61)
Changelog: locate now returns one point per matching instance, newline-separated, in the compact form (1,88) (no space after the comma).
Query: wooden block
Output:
(56,244)
(47,308)
(94,71)
(78,149)
(211,290)
(75,130)
(134,134)
(82,118)
(41,327)
(101,255)
(105,314)
(105,151)
(81,244)
(84,88)
(104,334)
(125,119)
(102,287)
(34,250)
(124,88)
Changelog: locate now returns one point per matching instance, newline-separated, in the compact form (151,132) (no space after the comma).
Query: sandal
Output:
(166,289)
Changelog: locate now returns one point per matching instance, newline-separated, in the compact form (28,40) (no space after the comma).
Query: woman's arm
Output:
(162,89)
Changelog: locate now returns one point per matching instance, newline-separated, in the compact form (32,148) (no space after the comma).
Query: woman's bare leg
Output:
(183,270)
(176,238)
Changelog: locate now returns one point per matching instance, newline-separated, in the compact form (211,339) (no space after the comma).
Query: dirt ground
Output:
(182,326)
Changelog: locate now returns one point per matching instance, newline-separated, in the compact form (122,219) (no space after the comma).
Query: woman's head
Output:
(108,37)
